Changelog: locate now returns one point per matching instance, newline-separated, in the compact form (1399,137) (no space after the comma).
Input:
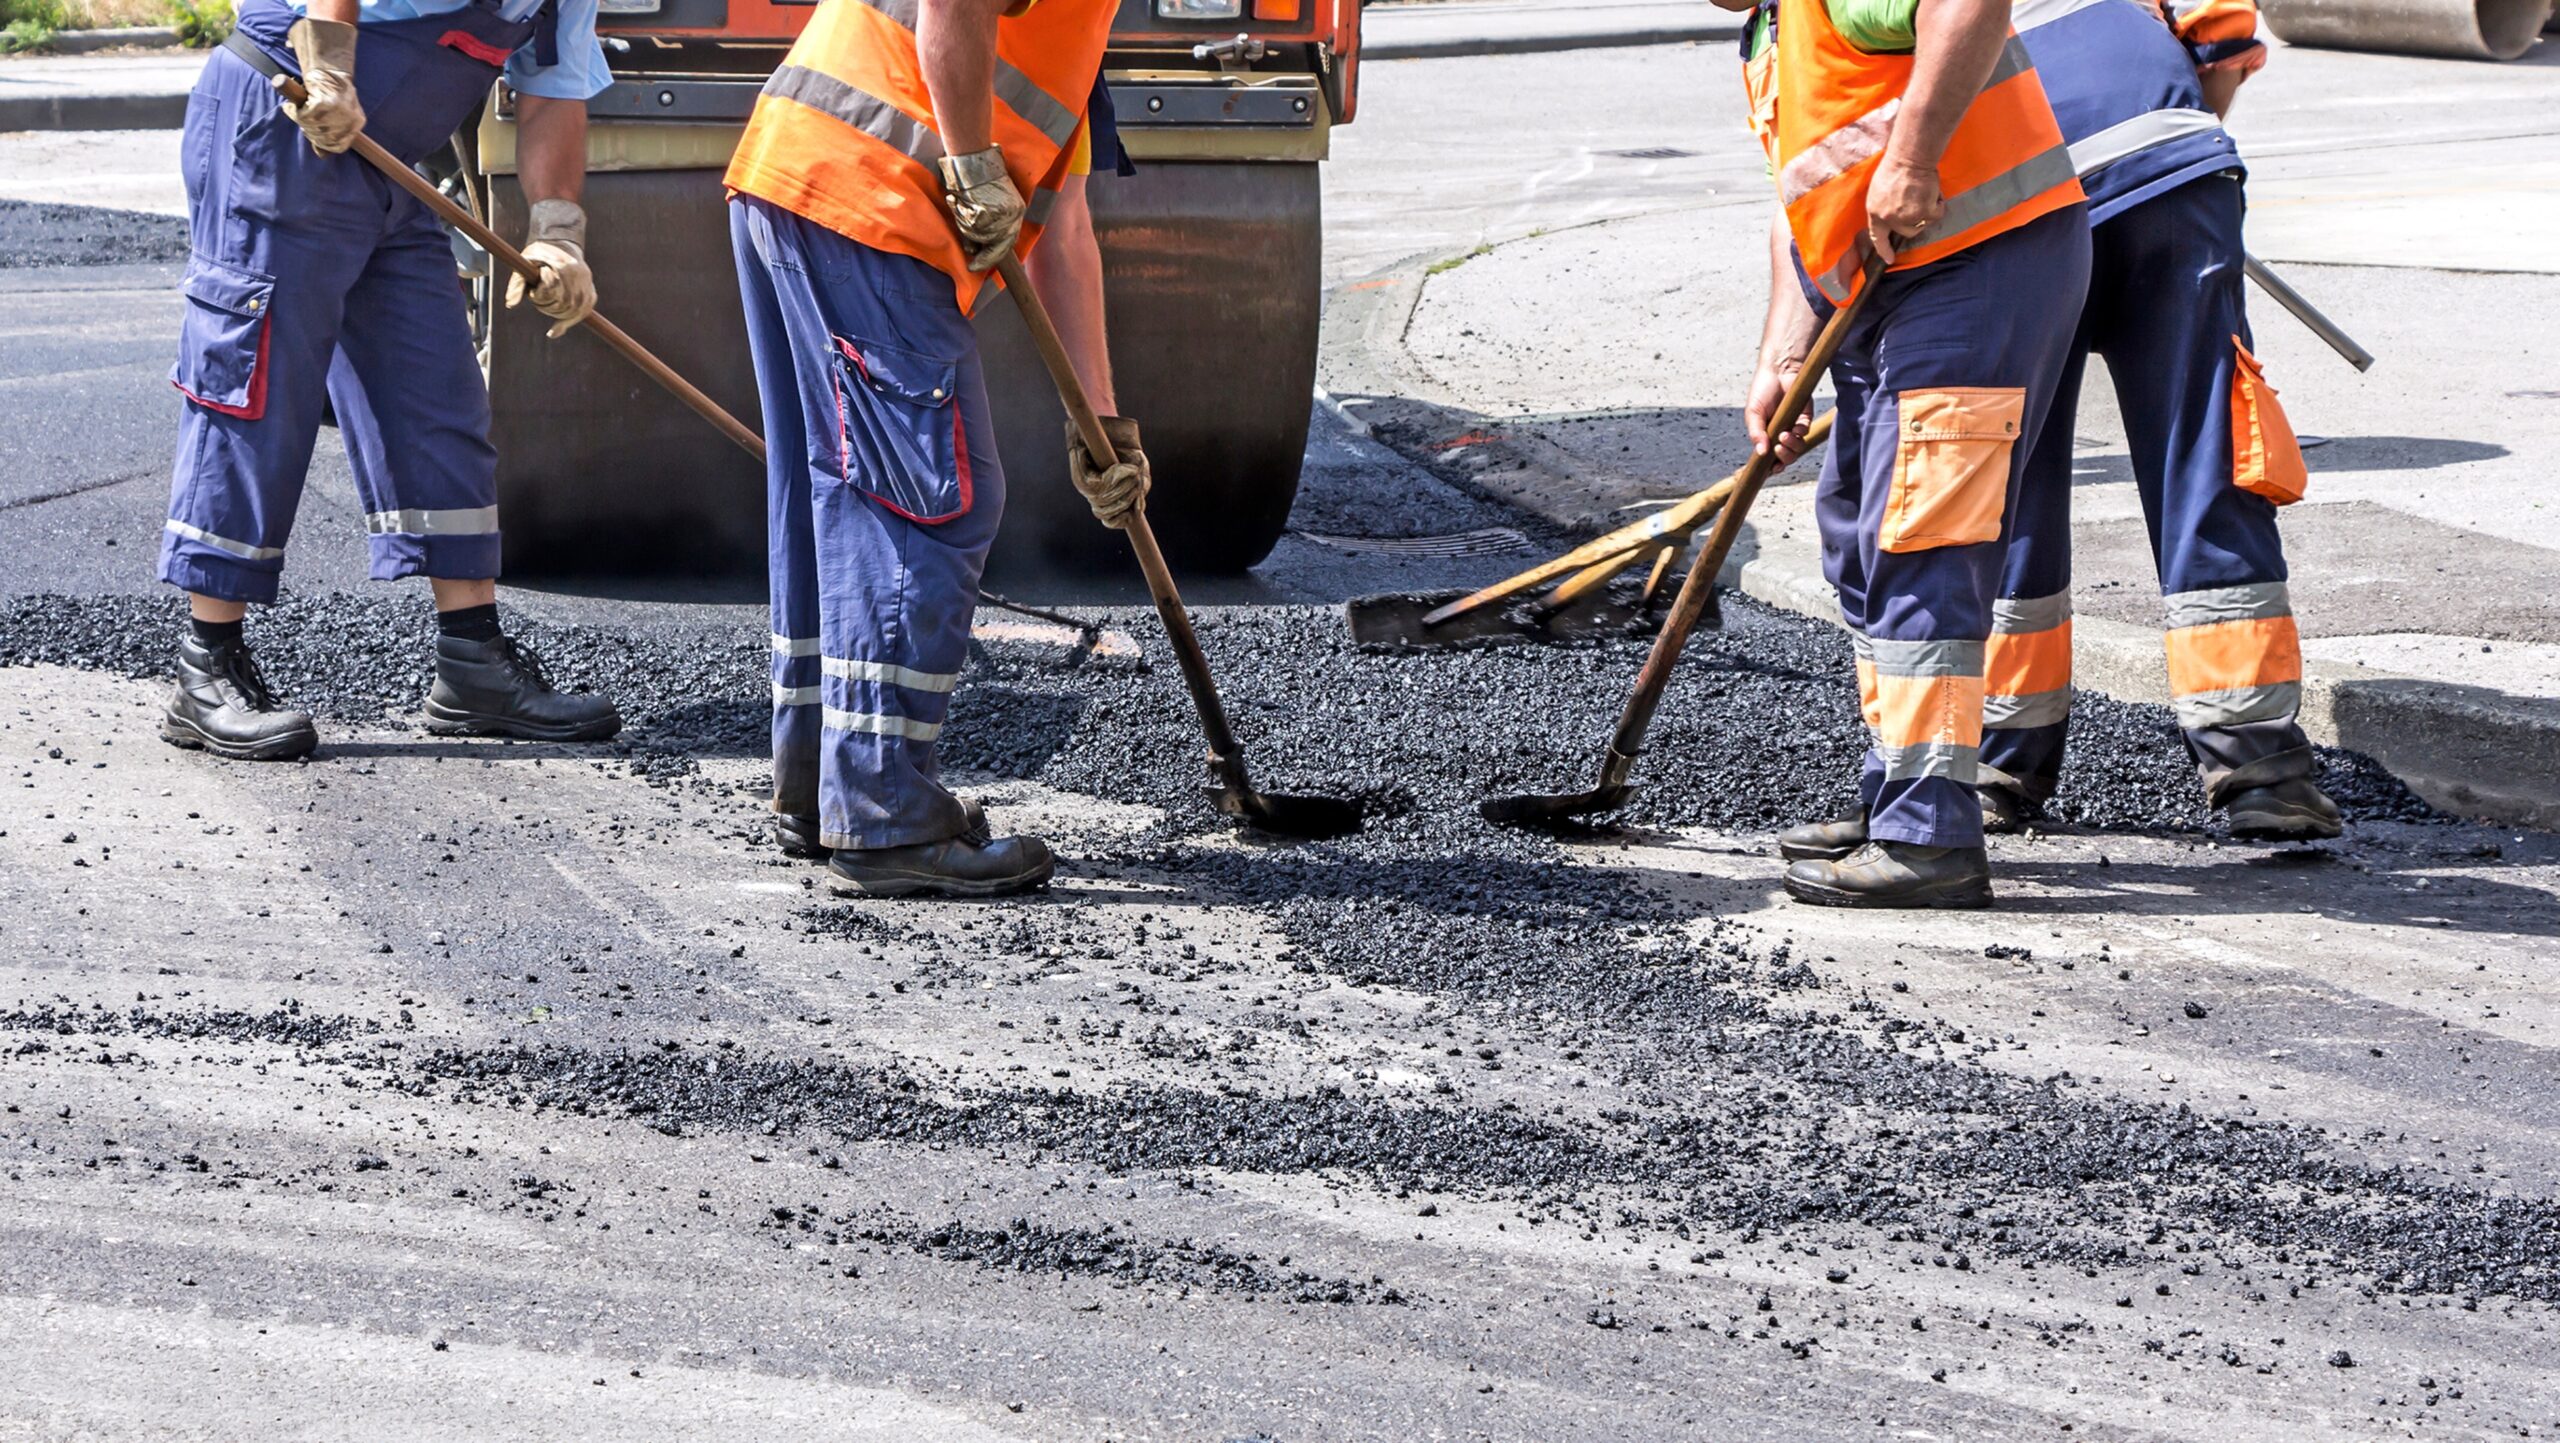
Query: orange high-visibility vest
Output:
(1834,110)
(844,133)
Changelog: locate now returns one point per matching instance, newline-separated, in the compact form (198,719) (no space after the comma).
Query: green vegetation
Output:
(29,24)
(201,23)
(1453,262)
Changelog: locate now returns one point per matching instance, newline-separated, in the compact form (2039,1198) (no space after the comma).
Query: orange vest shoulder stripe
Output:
(1835,109)
(843,133)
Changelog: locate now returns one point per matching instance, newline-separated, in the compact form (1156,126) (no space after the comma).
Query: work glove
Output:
(329,113)
(985,204)
(556,240)
(1118,492)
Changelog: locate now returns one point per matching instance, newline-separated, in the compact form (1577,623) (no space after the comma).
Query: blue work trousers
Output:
(313,281)
(2167,312)
(882,497)
(1943,382)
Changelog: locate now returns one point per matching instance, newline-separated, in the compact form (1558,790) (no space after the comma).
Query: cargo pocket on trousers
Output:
(2266,459)
(222,339)
(1951,466)
(898,436)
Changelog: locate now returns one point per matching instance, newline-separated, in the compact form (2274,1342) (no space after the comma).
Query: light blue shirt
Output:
(581,74)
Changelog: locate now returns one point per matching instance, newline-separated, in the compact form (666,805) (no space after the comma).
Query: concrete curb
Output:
(139,37)
(93,112)
(2468,750)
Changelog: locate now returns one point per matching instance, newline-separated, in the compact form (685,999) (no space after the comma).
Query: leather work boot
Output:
(1824,841)
(222,705)
(2004,812)
(497,689)
(1895,874)
(797,836)
(2294,810)
(973,864)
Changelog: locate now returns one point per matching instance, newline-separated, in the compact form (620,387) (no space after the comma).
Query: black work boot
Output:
(1896,874)
(2294,810)
(1824,841)
(497,689)
(797,835)
(973,864)
(223,706)
(2004,813)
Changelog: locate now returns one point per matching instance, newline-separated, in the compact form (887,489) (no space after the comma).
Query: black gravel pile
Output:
(1024,1245)
(364,657)
(34,233)
(1759,730)
(289,1025)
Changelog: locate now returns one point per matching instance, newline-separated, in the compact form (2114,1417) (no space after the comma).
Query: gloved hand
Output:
(329,113)
(556,240)
(985,204)
(1117,492)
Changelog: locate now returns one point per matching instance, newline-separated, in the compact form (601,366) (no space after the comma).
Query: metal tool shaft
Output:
(2307,313)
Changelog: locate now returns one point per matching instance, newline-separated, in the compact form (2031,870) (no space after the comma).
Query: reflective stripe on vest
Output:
(2132,137)
(2004,166)
(843,133)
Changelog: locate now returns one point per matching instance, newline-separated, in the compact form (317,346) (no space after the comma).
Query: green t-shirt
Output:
(1878,27)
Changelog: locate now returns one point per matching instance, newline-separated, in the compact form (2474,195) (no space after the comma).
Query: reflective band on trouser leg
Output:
(2235,678)
(2026,693)
(2234,656)
(1928,709)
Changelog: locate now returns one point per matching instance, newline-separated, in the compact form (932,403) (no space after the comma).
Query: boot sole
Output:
(926,884)
(445,722)
(2286,827)
(1968,896)
(187,736)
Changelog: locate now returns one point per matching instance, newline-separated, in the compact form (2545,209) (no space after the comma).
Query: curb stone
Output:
(2468,750)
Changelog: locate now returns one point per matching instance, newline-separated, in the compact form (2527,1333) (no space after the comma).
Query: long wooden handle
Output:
(488,240)
(1692,600)
(1591,578)
(1142,537)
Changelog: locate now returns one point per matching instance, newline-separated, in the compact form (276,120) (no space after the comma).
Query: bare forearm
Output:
(956,49)
(2221,87)
(345,12)
(1786,332)
(551,148)
(1067,269)
(1956,44)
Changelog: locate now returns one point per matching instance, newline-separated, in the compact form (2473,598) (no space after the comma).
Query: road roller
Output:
(1212,282)
(2460,29)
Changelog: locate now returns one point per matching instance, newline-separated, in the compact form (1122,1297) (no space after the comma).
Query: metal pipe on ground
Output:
(2461,29)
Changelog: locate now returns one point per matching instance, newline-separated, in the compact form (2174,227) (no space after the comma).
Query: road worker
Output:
(1914,131)
(902,148)
(314,283)
(2139,92)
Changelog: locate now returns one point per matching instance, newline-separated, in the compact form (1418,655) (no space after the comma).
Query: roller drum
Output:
(1212,279)
(2462,29)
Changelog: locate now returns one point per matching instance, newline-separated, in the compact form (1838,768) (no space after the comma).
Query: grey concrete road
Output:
(439,1089)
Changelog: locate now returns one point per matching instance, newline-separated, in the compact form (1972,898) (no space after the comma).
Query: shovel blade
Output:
(1314,819)
(1536,809)
(1395,622)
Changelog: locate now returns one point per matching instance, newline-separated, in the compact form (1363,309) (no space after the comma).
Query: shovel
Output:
(1438,620)
(1230,789)
(1619,760)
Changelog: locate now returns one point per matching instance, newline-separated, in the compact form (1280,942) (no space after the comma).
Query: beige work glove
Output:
(556,240)
(1118,492)
(329,113)
(984,202)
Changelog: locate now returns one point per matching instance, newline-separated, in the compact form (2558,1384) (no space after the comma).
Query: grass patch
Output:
(1453,262)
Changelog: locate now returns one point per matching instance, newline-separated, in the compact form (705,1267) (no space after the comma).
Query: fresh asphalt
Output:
(441,1089)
